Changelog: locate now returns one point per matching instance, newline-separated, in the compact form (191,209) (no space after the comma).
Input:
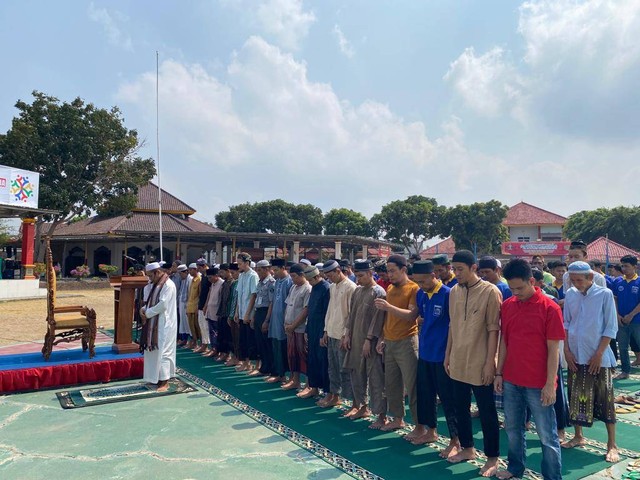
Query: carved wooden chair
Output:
(66,324)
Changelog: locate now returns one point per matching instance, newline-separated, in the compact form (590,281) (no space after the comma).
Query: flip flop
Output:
(624,400)
(636,406)
(625,410)
(631,476)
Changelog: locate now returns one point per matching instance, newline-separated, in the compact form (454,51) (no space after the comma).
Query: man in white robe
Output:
(159,337)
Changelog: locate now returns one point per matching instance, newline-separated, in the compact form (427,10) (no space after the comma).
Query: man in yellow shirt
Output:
(400,346)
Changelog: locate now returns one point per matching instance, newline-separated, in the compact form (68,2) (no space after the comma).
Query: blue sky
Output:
(354,103)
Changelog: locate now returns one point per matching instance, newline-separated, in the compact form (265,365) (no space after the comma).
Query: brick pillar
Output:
(28,237)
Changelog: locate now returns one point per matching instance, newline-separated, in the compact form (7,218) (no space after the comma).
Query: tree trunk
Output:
(39,248)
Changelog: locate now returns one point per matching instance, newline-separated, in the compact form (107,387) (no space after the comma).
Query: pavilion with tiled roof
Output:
(101,239)
(604,249)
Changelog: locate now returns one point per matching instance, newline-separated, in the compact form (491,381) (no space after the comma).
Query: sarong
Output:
(297,352)
(591,396)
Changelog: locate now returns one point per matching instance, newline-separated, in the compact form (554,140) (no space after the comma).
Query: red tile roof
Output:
(526,214)
(148,201)
(137,222)
(597,250)
(447,246)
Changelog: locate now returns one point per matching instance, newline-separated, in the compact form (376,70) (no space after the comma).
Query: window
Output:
(524,239)
(551,237)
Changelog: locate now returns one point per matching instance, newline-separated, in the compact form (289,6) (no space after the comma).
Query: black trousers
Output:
(432,381)
(280,358)
(263,343)
(632,344)
(248,350)
(225,341)
(317,364)
(488,416)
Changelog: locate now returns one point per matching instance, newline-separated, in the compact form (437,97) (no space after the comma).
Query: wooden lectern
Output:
(124,290)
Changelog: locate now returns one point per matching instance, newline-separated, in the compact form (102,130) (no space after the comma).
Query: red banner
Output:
(527,249)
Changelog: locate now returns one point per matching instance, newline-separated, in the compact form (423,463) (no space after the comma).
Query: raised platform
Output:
(21,290)
(27,370)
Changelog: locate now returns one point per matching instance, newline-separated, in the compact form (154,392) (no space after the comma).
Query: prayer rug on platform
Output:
(86,397)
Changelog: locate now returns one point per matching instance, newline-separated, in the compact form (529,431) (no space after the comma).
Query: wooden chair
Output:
(72,323)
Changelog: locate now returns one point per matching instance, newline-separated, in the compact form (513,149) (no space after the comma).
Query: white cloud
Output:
(488,83)
(284,22)
(578,76)
(268,131)
(110,25)
(345,46)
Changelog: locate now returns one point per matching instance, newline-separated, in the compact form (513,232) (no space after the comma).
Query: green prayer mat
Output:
(86,397)
(383,454)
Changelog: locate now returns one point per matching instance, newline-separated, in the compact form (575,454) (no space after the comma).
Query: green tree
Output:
(273,216)
(409,221)
(238,218)
(622,224)
(5,233)
(478,226)
(87,159)
(310,219)
(343,221)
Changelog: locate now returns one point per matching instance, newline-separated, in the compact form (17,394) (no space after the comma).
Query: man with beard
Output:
(160,325)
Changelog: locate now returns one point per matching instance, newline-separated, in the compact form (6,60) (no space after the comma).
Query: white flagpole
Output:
(158,152)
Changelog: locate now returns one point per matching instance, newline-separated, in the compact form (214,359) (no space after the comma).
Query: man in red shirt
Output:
(532,323)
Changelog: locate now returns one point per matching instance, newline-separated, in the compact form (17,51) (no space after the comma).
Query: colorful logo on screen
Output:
(22,189)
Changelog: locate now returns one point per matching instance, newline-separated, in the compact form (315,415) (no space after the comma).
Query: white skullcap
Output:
(193,265)
(252,264)
(263,263)
(499,263)
(304,261)
(151,266)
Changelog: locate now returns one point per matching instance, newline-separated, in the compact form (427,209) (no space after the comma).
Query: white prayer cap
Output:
(193,265)
(306,262)
(499,263)
(162,263)
(151,266)
(252,264)
(263,263)
(182,268)
(319,265)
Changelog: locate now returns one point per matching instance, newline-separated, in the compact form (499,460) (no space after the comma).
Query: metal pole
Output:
(158,151)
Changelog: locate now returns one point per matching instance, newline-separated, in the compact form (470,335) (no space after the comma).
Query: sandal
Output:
(634,465)
(625,410)
(623,400)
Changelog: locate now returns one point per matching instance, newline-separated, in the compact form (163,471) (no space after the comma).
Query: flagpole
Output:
(158,152)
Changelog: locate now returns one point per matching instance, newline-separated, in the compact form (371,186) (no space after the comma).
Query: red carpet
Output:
(29,371)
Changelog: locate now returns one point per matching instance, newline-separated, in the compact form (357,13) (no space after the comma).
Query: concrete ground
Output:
(185,436)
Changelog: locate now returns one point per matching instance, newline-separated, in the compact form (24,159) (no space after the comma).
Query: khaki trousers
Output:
(369,373)
(400,372)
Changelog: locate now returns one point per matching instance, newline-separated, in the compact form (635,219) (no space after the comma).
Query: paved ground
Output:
(192,435)
(25,320)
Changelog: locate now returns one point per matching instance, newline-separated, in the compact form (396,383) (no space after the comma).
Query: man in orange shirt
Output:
(400,344)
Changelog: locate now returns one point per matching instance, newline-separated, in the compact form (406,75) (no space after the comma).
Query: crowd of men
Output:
(437,331)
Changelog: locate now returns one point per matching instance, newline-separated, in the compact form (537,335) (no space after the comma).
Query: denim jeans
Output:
(625,333)
(516,401)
